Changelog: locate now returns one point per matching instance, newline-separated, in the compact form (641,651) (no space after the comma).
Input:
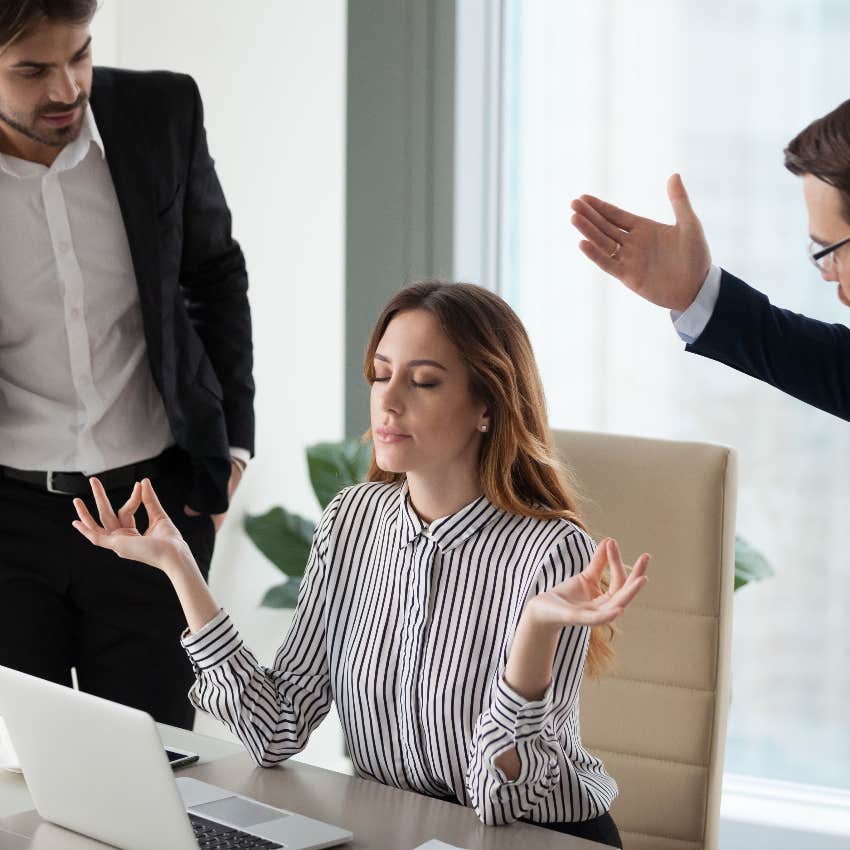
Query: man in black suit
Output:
(125,351)
(718,315)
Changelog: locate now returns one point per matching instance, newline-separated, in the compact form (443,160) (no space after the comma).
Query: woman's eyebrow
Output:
(414,362)
(428,363)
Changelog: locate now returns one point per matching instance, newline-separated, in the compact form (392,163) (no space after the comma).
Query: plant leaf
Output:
(282,595)
(333,466)
(284,538)
(750,564)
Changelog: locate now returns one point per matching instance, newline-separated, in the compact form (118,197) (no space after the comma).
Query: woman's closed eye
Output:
(426,384)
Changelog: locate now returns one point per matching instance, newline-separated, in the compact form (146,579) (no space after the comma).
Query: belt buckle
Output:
(52,489)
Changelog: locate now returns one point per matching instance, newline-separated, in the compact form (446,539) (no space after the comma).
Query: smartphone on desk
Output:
(180,758)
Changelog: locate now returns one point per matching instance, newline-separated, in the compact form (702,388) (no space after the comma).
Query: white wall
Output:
(272,75)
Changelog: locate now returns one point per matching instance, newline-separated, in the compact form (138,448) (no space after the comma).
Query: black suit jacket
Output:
(803,357)
(190,271)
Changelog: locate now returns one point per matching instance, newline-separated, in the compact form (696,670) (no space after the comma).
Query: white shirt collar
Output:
(75,152)
(94,133)
(69,157)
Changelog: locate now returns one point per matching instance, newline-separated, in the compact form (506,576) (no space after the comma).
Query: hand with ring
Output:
(664,263)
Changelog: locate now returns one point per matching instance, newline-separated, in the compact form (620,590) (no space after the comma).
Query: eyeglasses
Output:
(824,257)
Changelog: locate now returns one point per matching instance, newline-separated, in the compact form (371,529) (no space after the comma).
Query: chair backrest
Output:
(658,718)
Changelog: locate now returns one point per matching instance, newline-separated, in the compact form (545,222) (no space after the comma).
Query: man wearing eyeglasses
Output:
(720,316)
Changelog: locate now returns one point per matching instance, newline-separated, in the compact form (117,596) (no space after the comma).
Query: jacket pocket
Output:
(165,208)
(208,379)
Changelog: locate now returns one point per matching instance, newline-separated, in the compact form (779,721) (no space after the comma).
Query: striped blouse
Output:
(408,628)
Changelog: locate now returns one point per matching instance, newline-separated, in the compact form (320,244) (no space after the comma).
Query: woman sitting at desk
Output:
(448,602)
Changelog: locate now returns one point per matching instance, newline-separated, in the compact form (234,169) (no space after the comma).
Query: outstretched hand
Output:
(664,263)
(161,545)
(581,599)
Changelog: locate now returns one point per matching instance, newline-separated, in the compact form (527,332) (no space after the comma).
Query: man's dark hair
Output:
(19,17)
(823,150)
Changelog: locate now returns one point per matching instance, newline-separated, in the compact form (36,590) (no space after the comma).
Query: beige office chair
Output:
(658,718)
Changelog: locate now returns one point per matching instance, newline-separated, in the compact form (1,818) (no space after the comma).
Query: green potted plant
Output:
(750,564)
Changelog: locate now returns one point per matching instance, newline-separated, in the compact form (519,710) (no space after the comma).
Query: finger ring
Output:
(616,250)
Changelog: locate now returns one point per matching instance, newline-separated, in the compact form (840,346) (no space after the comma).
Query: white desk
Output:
(381,818)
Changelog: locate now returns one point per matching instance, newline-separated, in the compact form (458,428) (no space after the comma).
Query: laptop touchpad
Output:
(238,811)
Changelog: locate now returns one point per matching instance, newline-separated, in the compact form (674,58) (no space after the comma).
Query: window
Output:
(611,97)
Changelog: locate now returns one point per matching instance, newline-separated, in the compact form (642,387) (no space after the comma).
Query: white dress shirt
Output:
(408,628)
(691,323)
(76,390)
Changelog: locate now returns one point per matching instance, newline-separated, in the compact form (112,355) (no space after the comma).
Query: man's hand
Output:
(666,264)
(235,477)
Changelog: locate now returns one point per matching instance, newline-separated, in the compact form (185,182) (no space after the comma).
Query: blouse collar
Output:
(448,531)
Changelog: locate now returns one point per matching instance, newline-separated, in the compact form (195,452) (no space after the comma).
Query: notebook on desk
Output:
(99,768)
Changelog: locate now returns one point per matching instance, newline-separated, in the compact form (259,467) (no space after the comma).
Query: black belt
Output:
(77,483)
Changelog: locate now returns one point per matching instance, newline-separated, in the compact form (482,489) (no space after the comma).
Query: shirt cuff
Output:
(518,717)
(690,324)
(240,454)
(212,645)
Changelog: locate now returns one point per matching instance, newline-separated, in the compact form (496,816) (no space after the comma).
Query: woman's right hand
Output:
(161,546)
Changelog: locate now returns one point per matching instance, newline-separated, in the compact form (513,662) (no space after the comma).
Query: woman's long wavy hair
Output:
(519,472)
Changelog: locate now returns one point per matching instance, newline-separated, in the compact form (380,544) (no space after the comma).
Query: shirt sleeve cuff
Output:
(691,323)
(212,645)
(240,454)
(514,714)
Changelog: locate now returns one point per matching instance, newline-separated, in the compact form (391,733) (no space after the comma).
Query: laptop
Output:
(99,768)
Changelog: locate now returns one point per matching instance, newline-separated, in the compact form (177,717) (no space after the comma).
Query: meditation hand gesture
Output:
(581,600)
(161,546)
(578,601)
(664,263)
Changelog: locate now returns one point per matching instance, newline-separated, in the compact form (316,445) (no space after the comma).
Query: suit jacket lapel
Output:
(130,164)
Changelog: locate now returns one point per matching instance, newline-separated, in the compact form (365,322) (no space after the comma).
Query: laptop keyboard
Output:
(214,836)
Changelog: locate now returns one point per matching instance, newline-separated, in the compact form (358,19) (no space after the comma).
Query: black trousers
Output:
(602,829)
(65,603)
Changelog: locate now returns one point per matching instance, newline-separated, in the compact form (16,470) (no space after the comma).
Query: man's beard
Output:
(57,138)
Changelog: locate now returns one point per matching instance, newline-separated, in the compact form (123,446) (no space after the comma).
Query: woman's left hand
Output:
(578,601)
(581,600)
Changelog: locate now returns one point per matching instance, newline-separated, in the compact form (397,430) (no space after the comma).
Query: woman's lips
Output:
(390,435)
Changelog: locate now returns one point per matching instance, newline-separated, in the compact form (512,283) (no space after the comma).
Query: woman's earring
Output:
(483,427)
